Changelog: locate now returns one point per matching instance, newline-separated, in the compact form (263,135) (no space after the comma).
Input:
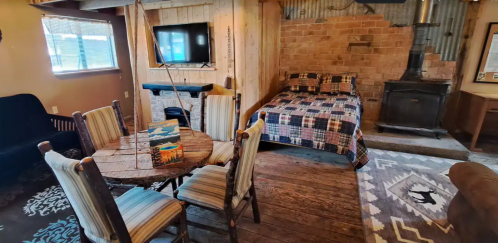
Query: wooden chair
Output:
(100,126)
(136,216)
(218,188)
(221,126)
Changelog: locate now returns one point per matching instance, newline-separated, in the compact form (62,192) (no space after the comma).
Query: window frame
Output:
(112,42)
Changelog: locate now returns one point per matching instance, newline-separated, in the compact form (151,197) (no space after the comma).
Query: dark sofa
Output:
(23,124)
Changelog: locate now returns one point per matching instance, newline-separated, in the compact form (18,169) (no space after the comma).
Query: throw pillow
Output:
(339,83)
(302,82)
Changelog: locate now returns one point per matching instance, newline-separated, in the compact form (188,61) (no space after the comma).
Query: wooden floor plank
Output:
(309,191)
(304,196)
(334,188)
(305,164)
(207,217)
(302,221)
(315,178)
(267,230)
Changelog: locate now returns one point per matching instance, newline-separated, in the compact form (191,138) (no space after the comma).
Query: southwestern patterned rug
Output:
(405,197)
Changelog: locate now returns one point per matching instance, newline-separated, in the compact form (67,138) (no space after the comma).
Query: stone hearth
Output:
(167,99)
(162,96)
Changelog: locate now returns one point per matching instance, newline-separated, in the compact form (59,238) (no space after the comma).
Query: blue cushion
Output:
(22,118)
(19,156)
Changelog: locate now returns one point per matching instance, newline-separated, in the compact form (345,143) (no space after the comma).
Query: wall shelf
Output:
(187,68)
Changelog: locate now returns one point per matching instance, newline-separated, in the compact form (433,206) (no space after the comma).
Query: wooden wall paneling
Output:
(177,3)
(142,60)
(148,4)
(154,19)
(251,88)
(223,19)
(240,51)
(270,50)
(452,105)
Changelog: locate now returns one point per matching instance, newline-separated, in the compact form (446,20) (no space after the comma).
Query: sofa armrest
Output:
(62,123)
(479,185)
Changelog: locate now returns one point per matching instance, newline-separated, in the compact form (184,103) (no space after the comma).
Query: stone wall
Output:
(321,45)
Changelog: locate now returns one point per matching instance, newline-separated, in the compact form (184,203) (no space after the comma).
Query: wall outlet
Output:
(55,110)
(126,94)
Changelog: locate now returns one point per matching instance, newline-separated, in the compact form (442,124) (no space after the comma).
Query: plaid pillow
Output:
(335,84)
(302,82)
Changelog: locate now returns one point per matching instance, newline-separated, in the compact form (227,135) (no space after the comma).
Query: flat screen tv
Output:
(183,43)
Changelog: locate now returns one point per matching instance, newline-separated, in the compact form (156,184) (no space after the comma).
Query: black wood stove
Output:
(412,103)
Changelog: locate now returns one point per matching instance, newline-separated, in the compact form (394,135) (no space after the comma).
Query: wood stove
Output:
(177,113)
(413,103)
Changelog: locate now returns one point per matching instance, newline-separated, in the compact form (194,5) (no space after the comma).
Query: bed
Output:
(329,122)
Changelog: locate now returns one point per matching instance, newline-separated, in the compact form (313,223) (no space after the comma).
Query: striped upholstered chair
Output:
(100,127)
(222,189)
(220,125)
(136,216)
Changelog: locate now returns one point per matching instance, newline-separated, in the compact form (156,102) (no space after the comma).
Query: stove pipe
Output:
(422,23)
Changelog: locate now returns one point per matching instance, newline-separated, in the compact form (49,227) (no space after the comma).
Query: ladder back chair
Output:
(136,216)
(221,126)
(219,188)
(100,127)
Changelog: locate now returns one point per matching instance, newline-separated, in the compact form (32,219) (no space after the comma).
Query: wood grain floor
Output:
(304,196)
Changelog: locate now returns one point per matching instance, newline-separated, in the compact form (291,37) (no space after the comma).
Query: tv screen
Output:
(183,43)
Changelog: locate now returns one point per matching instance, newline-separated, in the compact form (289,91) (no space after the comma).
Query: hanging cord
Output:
(340,9)
(136,90)
(164,62)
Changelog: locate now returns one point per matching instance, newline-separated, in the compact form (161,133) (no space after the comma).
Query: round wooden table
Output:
(116,160)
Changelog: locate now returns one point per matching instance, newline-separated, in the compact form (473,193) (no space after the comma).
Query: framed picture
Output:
(487,71)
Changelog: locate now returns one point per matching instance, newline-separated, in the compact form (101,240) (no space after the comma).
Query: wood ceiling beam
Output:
(44,2)
(262,1)
(148,4)
(99,4)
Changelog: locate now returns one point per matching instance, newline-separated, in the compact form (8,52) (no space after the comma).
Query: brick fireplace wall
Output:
(321,45)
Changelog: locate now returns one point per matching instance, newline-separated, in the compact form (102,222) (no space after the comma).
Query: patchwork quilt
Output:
(320,121)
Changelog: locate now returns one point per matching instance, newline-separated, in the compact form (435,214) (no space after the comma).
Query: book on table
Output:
(165,144)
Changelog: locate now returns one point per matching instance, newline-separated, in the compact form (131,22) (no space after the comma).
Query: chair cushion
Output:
(247,160)
(81,196)
(103,126)
(207,187)
(222,153)
(22,117)
(145,212)
(219,117)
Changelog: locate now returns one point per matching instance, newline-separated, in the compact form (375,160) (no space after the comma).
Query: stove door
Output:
(412,108)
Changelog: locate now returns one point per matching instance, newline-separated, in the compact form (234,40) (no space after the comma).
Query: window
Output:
(76,45)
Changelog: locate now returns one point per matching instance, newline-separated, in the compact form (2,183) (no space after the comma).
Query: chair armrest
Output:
(62,123)
(479,185)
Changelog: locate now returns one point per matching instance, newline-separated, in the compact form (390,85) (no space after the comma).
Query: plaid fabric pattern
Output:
(339,84)
(325,122)
(302,82)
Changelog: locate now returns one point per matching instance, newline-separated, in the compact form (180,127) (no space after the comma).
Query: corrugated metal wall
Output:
(399,14)
(451,16)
